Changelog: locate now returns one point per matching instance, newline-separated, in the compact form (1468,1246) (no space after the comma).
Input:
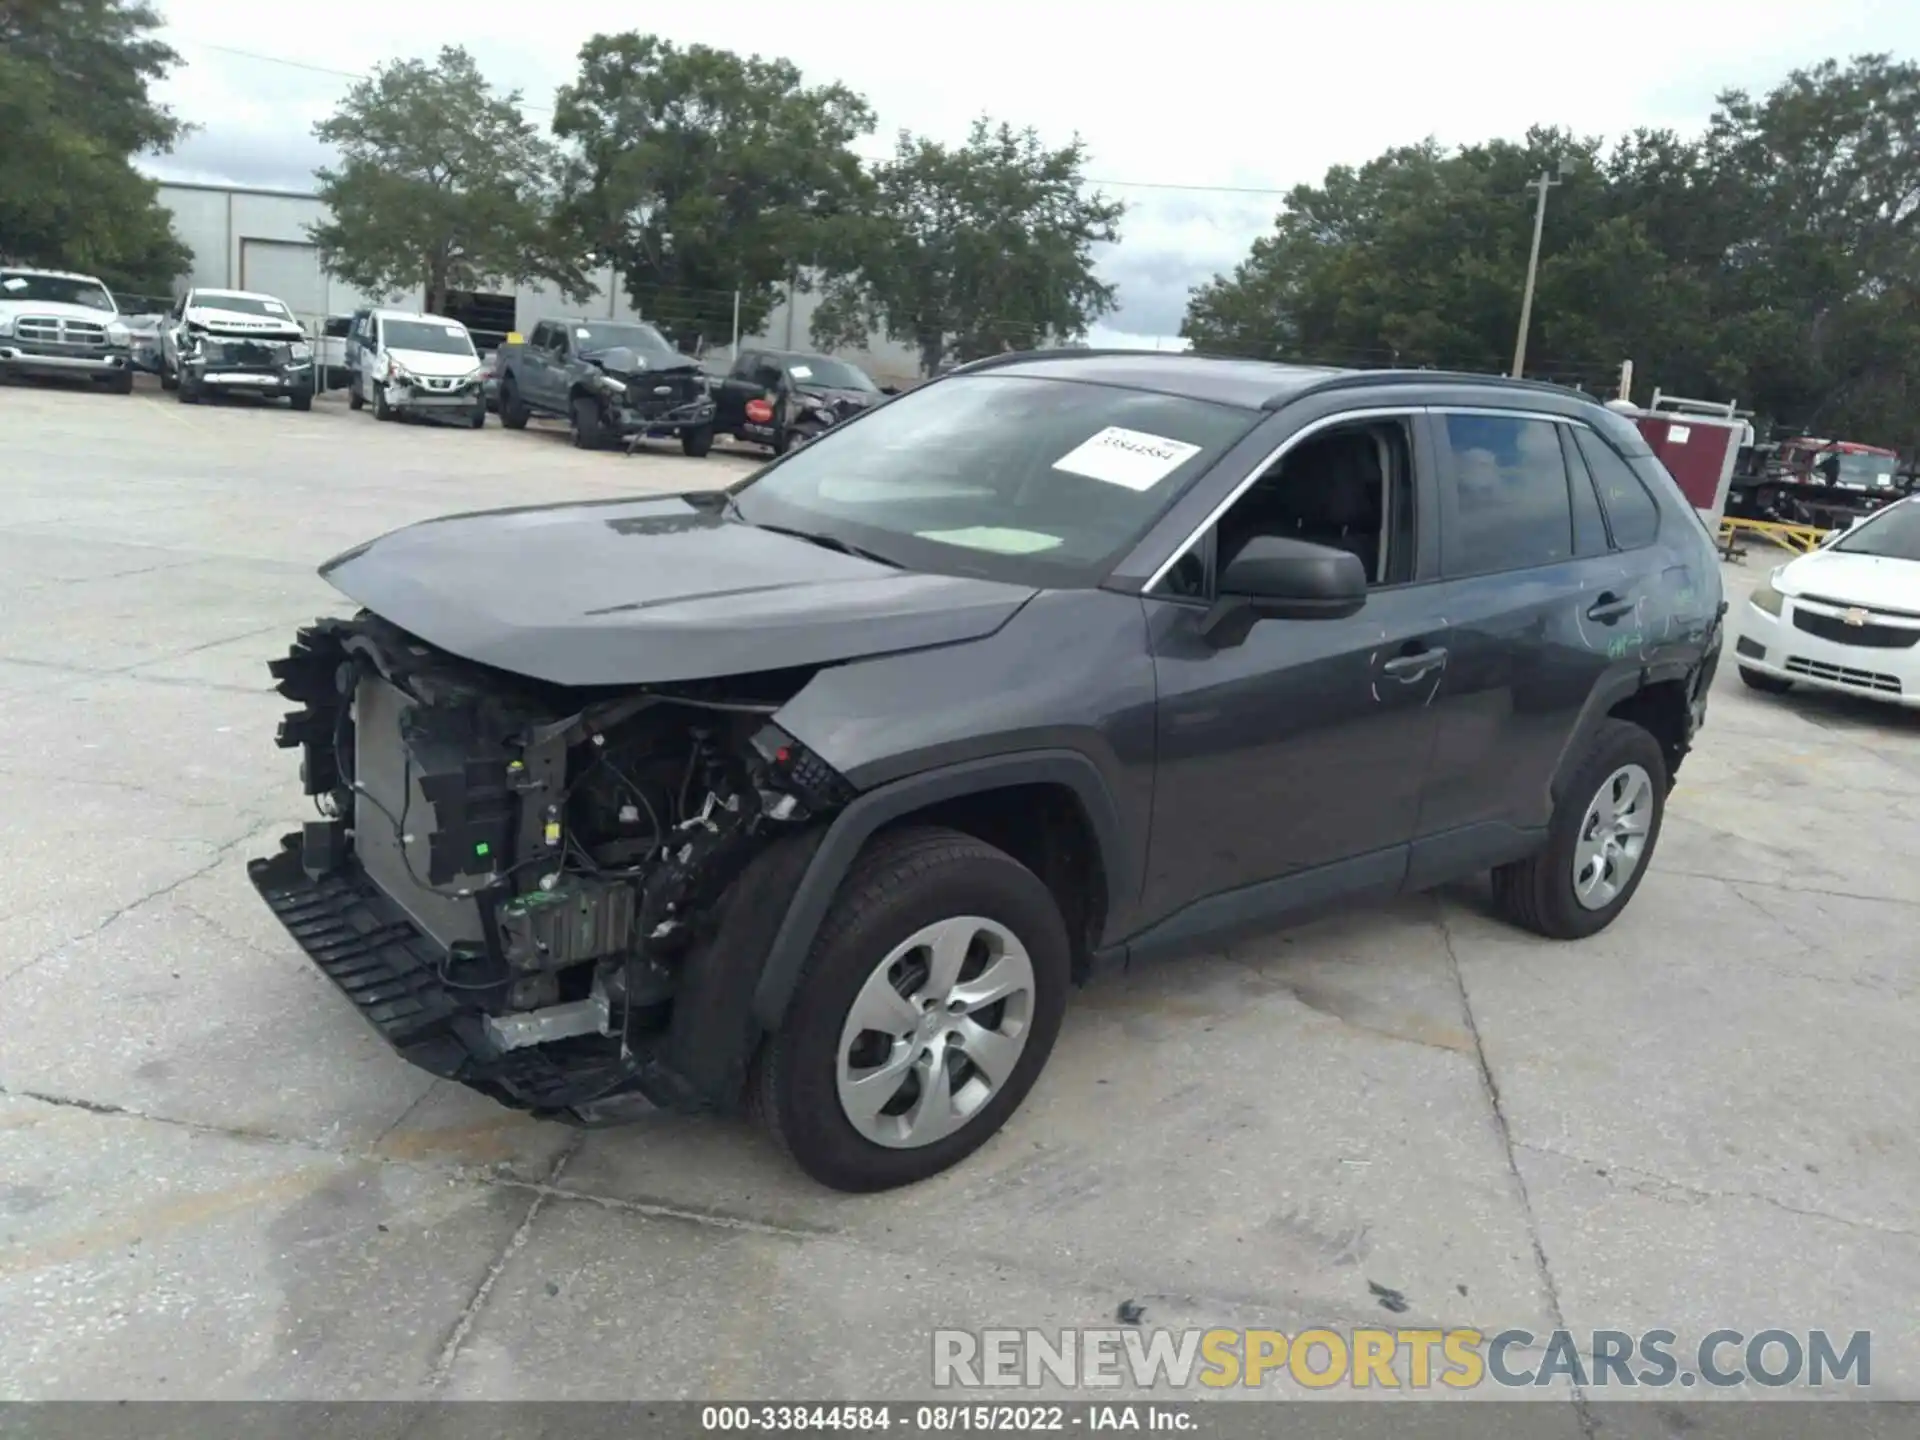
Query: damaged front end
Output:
(559,897)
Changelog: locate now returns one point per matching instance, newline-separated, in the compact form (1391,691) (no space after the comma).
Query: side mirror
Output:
(1276,578)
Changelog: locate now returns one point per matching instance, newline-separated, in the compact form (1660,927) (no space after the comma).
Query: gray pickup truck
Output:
(612,381)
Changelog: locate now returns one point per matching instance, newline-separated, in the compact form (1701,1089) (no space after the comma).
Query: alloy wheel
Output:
(935,1032)
(1613,837)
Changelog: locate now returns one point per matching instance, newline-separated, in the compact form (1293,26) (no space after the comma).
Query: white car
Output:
(53,322)
(1844,617)
(235,342)
(405,363)
(229,314)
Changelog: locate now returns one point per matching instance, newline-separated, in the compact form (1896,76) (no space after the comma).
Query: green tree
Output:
(74,110)
(974,250)
(1774,259)
(441,184)
(701,172)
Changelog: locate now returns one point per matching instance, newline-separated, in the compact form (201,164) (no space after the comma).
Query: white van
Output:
(405,362)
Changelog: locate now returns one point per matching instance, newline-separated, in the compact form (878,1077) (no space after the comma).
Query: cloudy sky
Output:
(1196,116)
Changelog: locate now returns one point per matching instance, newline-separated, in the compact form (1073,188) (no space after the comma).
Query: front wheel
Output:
(120,383)
(169,378)
(697,441)
(589,427)
(478,419)
(301,400)
(1599,842)
(381,409)
(186,392)
(1766,684)
(925,1012)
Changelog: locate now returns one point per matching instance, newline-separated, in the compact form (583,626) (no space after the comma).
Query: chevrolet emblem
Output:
(1855,616)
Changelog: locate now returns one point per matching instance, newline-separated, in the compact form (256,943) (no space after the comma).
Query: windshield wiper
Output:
(829,542)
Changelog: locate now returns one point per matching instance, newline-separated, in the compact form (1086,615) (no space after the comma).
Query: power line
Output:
(1168,185)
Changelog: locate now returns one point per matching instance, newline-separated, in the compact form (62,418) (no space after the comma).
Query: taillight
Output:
(759,412)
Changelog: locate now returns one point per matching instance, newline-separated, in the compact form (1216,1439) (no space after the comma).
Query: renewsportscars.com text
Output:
(1399,1359)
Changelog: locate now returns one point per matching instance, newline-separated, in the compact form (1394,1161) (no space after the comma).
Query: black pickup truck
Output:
(612,381)
(780,398)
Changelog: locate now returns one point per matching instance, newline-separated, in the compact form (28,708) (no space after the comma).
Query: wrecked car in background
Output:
(780,398)
(821,790)
(236,342)
(612,381)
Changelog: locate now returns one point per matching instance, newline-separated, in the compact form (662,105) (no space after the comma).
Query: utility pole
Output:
(1545,183)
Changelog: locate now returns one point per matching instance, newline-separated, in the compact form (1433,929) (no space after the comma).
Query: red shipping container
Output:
(1699,451)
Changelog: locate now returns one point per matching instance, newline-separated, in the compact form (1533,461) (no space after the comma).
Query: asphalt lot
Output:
(216,1182)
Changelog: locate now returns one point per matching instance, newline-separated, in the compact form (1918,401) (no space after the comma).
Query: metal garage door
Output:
(288,271)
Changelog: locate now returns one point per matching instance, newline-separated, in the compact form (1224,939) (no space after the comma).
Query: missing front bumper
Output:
(392,971)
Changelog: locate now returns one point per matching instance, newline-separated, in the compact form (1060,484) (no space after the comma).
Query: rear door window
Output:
(1631,511)
(1504,501)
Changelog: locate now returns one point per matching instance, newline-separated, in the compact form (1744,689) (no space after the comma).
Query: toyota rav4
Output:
(820,792)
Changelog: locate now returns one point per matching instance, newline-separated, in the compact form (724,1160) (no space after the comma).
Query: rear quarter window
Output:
(1631,510)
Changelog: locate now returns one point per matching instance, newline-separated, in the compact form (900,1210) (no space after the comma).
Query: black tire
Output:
(513,410)
(589,426)
(782,441)
(120,384)
(301,400)
(903,882)
(186,392)
(695,443)
(169,379)
(478,419)
(381,409)
(1766,684)
(355,400)
(1537,893)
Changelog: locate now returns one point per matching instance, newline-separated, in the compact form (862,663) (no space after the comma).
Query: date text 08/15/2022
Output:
(942,1419)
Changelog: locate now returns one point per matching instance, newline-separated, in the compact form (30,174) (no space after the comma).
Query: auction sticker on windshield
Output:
(1130,458)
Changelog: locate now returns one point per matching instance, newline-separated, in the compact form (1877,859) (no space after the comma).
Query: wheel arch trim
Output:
(850,830)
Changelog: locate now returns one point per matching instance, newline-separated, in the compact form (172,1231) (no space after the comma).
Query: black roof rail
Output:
(1344,379)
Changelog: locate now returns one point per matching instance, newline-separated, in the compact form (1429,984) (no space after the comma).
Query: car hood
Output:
(626,363)
(240,323)
(1874,581)
(861,398)
(652,591)
(56,308)
(432,362)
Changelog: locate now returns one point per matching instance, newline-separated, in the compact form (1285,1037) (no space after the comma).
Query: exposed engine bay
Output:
(524,886)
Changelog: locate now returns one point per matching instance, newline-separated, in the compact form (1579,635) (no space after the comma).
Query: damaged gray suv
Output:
(821,792)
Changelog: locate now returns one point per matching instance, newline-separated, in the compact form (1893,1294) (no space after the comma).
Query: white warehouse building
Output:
(248,239)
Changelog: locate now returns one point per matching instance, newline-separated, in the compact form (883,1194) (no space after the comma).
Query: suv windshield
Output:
(831,373)
(436,337)
(645,341)
(244,305)
(1010,477)
(1894,534)
(54,290)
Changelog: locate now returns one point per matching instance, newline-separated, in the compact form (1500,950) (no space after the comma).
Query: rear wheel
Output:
(1599,842)
(925,1012)
(1766,684)
(697,441)
(513,410)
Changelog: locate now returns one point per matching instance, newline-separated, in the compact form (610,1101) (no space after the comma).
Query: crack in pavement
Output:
(469,1316)
(214,862)
(1667,1189)
(1582,1411)
(1097,1282)
(1782,885)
